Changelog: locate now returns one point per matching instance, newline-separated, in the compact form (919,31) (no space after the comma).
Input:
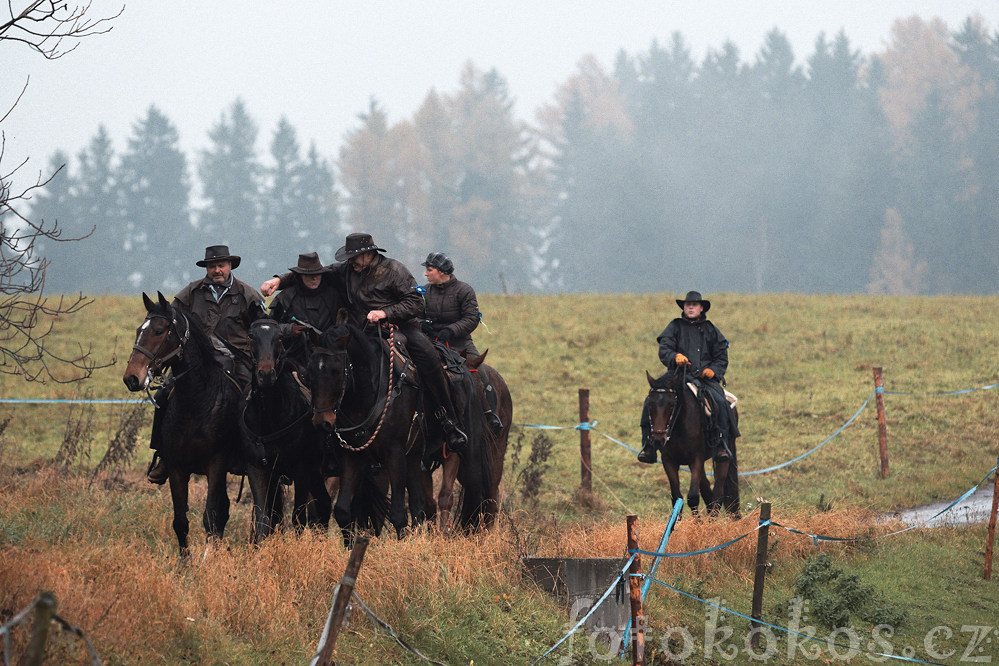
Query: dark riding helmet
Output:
(439,261)
(694,297)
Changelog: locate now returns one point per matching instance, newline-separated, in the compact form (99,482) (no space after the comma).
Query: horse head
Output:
(158,341)
(663,408)
(329,374)
(266,347)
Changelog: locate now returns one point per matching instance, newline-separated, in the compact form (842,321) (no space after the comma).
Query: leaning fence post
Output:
(762,545)
(992,523)
(45,608)
(635,589)
(585,471)
(879,401)
(324,654)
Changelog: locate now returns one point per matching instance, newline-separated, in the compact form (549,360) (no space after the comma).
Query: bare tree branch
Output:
(26,316)
(52,28)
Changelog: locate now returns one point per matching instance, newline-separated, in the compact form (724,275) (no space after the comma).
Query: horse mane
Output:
(194,326)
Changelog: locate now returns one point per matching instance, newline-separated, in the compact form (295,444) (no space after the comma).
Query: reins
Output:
(388,397)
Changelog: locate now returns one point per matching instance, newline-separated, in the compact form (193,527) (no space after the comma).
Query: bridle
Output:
(156,362)
(347,371)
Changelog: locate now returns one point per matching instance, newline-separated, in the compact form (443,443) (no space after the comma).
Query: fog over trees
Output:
(835,172)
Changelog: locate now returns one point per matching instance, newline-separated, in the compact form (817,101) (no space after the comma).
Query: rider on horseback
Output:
(452,313)
(377,289)
(221,303)
(692,344)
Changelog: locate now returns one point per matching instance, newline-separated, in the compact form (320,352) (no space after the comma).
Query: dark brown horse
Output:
(200,429)
(279,437)
(479,468)
(373,415)
(676,417)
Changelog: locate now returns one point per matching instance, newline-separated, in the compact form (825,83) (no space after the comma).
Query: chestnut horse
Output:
(479,468)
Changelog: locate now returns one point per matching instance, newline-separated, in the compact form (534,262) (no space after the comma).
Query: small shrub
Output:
(837,596)
(78,438)
(121,448)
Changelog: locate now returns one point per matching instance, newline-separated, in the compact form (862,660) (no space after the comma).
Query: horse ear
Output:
(147,302)
(341,316)
(163,300)
(474,362)
(255,311)
(652,382)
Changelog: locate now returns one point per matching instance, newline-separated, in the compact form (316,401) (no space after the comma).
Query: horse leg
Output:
(415,490)
(696,479)
(178,494)
(429,501)
(217,503)
(261,524)
(342,509)
(445,497)
(718,494)
(321,502)
(398,514)
(673,475)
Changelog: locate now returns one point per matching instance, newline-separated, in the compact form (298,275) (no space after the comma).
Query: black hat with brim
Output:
(694,297)
(309,264)
(357,244)
(215,253)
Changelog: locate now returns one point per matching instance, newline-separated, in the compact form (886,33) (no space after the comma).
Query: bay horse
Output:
(372,412)
(676,417)
(479,468)
(200,429)
(278,435)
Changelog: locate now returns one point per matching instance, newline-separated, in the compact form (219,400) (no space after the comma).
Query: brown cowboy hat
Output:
(694,297)
(218,253)
(308,264)
(357,244)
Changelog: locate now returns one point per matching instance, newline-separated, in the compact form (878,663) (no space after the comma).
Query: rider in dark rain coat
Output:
(693,343)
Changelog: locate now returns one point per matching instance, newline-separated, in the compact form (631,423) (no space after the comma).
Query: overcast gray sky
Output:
(318,63)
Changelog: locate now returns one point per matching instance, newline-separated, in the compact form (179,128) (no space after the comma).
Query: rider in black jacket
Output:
(693,343)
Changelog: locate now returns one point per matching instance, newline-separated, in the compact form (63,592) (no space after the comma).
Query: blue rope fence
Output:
(591,425)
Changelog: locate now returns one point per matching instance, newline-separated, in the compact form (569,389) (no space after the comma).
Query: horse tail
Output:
(476,471)
(370,502)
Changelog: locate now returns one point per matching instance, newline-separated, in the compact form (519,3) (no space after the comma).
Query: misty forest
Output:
(837,172)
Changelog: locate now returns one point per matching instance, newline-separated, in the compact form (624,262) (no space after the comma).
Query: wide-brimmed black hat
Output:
(356,244)
(308,264)
(694,296)
(440,261)
(218,253)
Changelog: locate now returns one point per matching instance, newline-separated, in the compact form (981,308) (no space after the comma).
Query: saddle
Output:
(402,364)
(705,400)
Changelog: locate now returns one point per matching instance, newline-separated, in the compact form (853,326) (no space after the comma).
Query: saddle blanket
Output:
(730,397)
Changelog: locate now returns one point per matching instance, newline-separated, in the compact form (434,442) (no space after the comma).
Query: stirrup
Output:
(648,454)
(495,424)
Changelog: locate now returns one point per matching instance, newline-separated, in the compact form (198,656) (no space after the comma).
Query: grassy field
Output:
(801,366)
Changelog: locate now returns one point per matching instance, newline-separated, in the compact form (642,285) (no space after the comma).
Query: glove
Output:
(707,373)
(426,327)
(682,360)
(296,329)
(444,335)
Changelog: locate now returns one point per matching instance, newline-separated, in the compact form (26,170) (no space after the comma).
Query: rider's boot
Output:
(721,451)
(648,454)
(455,437)
(495,424)
(157,472)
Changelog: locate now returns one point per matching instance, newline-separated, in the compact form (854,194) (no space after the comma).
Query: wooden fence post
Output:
(585,471)
(762,545)
(324,655)
(635,589)
(879,400)
(45,608)
(992,525)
